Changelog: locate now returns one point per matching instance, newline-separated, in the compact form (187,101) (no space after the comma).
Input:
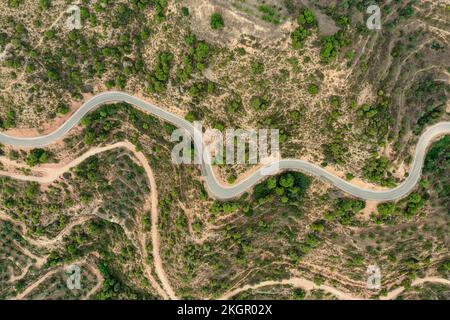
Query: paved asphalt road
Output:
(223,192)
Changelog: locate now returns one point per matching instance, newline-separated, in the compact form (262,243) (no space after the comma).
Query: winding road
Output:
(215,188)
(220,191)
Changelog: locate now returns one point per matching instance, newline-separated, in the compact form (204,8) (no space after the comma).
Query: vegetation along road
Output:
(226,192)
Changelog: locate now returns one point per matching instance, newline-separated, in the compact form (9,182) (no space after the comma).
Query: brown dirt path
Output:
(308,285)
(48,173)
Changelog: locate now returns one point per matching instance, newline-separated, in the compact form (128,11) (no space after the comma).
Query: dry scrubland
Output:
(347,98)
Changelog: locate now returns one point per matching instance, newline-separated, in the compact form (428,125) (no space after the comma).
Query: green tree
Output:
(45,4)
(272,183)
(37,156)
(217,21)
(313,89)
(185,11)
(287,180)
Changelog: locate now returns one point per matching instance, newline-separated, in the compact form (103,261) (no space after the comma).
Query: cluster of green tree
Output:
(390,212)
(376,170)
(289,187)
(160,7)
(15,3)
(387,213)
(334,152)
(258,218)
(106,121)
(331,45)
(298,294)
(12,259)
(76,57)
(63,108)
(257,67)
(343,11)
(311,241)
(123,13)
(73,248)
(255,228)
(199,90)
(45,4)
(270,14)
(165,207)
(219,207)
(306,21)
(355,259)
(191,116)
(24,201)
(217,21)
(180,221)
(160,76)
(432,95)
(414,203)
(399,49)
(444,268)
(119,192)
(437,167)
(376,119)
(37,156)
(425,292)
(123,16)
(407,11)
(144,122)
(98,124)
(195,59)
(277,120)
(344,210)
(437,46)
(9,121)
(260,103)
(4,39)
(88,170)
(16,34)
(113,288)
(197,226)
(101,236)
(234,104)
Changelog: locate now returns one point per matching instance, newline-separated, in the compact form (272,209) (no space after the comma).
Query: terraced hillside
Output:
(108,198)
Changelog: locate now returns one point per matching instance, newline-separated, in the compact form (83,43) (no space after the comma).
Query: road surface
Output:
(216,189)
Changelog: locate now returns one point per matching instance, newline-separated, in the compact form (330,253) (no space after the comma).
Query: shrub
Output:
(313,89)
(217,21)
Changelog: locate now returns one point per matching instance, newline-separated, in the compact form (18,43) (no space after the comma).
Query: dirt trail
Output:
(57,170)
(51,242)
(308,285)
(5,217)
(396,292)
(154,221)
(44,242)
(40,261)
(99,284)
(35,284)
(305,284)
(140,246)
(48,173)
(14,278)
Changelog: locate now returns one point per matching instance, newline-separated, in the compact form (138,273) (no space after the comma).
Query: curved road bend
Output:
(227,192)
